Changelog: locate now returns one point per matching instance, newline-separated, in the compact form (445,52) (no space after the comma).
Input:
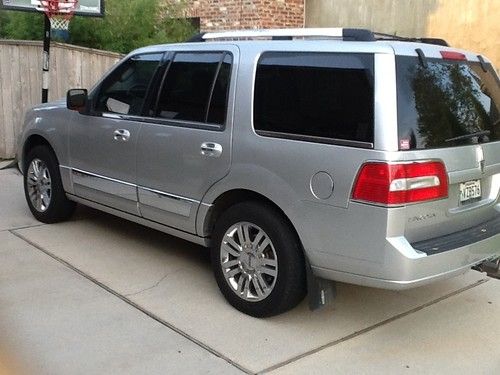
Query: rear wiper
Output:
(467,136)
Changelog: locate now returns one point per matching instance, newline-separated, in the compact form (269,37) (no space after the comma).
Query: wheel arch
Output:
(231,197)
(33,141)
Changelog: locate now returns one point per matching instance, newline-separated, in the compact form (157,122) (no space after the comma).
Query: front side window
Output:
(196,88)
(124,90)
(319,97)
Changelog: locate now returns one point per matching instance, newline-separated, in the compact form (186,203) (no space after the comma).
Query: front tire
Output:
(43,187)
(257,260)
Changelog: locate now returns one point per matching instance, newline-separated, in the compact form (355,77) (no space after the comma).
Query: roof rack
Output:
(289,34)
(347,34)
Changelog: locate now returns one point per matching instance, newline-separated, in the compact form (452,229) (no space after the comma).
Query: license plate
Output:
(470,190)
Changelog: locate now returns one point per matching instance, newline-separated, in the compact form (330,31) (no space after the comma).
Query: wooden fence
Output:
(21,80)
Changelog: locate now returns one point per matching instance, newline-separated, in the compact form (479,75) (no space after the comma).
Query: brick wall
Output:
(247,14)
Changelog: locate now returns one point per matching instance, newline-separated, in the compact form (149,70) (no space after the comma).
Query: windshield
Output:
(446,104)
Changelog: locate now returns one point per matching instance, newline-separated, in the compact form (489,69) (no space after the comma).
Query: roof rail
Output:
(288,34)
(347,34)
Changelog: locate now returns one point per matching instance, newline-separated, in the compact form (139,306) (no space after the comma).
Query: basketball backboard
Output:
(90,8)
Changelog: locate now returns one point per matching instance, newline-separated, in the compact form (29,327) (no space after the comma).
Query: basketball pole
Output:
(46,60)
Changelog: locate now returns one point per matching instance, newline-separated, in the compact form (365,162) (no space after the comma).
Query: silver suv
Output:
(296,155)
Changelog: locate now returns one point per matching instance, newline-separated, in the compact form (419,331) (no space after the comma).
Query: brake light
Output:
(452,55)
(390,184)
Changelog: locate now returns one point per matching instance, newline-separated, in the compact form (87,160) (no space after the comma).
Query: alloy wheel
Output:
(249,262)
(39,185)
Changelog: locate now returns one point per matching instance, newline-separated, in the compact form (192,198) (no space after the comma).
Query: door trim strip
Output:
(99,176)
(169,195)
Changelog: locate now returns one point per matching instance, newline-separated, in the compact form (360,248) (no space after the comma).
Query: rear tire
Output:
(43,187)
(257,260)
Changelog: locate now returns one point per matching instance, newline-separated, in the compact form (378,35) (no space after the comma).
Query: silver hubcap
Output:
(249,262)
(39,185)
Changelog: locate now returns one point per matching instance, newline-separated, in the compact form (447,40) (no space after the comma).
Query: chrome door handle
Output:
(121,135)
(211,149)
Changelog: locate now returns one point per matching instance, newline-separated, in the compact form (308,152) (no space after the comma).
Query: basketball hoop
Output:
(59,12)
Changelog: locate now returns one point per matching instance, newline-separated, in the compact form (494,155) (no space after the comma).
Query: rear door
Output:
(185,145)
(448,109)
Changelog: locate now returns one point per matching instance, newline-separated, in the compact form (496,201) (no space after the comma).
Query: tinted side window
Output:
(313,95)
(218,104)
(195,88)
(124,90)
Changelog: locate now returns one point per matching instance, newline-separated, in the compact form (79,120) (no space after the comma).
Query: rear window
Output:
(316,97)
(446,104)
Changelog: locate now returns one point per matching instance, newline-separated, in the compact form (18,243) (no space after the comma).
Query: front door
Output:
(186,145)
(103,143)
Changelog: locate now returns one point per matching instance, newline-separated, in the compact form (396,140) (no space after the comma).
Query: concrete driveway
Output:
(100,295)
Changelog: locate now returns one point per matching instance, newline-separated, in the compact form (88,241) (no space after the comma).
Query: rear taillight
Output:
(385,183)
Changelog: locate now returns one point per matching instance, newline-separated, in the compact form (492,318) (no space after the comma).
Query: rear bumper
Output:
(386,283)
(403,266)
(452,241)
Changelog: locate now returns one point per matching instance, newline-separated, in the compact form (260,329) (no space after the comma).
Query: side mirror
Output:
(76,99)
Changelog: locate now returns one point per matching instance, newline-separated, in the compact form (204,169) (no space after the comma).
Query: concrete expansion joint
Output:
(21,228)
(373,327)
(128,301)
